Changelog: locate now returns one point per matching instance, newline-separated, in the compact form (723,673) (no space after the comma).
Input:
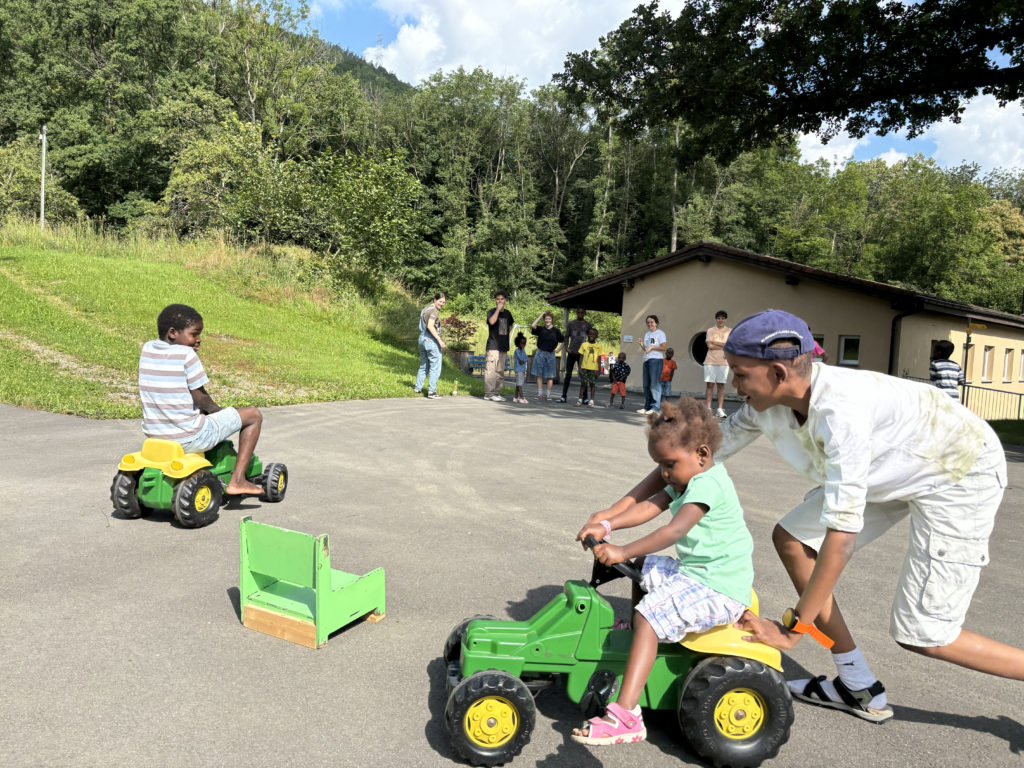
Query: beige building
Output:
(860,323)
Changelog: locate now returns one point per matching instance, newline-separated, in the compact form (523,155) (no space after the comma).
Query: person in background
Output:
(618,374)
(519,362)
(653,344)
(820,355)
(576,331)
(668,370)
(943,372)
(590,363)
(548,338)
(716,369)
(499,326)
(430,347)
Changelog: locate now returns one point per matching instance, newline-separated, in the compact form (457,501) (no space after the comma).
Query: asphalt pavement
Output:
(122,646)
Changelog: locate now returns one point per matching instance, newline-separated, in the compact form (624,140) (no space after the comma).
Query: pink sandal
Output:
(627,728)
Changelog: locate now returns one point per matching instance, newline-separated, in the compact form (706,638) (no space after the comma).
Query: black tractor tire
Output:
(197,499)
(490,717)
(735,712)
(275,482)
(453,650)
(453,645)
(122,495)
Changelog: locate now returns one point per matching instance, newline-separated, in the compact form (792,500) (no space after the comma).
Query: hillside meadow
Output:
(78,304)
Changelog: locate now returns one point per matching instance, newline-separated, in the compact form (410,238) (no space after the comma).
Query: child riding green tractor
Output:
(191,485)
(733,704)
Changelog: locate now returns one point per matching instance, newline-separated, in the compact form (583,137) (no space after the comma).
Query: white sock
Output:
(856,675)
(853,669)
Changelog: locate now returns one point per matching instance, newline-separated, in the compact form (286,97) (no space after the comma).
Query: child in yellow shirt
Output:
(590,362)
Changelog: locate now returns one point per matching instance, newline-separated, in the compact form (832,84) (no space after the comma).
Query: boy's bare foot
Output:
(243,489)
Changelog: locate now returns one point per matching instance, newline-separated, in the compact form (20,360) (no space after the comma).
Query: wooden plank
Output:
(374,617)
(279,625)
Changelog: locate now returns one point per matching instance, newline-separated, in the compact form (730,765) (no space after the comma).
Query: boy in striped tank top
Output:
(175,405)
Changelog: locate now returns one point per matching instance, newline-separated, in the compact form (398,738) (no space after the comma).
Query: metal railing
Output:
(993,403)
(987,402)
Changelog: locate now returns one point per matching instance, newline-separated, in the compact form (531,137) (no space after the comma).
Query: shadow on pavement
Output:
(437,698)
(1001,727)
(1014,453)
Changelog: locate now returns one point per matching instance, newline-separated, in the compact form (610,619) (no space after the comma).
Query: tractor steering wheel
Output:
(604,573)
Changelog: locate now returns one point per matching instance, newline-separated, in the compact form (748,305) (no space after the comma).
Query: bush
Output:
(459,332)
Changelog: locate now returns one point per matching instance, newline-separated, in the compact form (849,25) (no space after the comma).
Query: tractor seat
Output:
(165,455)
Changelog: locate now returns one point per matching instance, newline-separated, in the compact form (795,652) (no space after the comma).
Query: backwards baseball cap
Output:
(753,336)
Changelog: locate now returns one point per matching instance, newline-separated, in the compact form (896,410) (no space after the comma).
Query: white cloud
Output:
(526,39)
(319,8)
(836,152)
(891,156)
(989,135)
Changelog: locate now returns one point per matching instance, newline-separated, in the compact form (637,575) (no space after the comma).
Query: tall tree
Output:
(745,73)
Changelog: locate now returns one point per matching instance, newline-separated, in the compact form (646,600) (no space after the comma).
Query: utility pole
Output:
(42,184)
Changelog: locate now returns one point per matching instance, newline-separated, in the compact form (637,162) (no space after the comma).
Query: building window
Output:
(1007,365)
(849,350)
(1021,358)
(969,367)
(987,362)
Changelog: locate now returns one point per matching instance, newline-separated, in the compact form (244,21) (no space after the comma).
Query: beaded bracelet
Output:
(607,528)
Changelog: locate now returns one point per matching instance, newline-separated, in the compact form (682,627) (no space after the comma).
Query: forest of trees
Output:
(194,116)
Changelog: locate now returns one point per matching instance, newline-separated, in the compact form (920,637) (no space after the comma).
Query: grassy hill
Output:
(77,306)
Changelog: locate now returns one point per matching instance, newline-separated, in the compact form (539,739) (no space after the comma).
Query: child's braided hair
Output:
(687,423)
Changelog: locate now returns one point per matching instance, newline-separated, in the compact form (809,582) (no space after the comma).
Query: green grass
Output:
(77,306)
(1010,432)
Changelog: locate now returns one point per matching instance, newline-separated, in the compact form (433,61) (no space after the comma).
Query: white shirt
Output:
(653,339)
(868,437)
(167,375)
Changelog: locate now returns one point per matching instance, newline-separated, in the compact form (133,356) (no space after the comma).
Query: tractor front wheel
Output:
(275,482)
(735,712)
(489,717)
(197,499)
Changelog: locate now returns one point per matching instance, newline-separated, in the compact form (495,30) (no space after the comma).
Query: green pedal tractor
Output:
(191,485)
(733,705)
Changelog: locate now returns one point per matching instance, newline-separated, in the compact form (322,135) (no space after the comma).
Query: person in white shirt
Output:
(654,343)
(879,449)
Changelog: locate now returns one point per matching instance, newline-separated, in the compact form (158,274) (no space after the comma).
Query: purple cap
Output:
(752,336)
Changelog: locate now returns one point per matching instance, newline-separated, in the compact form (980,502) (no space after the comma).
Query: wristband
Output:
(607,529)
(791,621)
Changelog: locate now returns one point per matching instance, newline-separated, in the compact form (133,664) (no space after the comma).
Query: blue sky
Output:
(529,39)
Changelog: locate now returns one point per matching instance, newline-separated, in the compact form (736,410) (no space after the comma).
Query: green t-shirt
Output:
(717,550)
